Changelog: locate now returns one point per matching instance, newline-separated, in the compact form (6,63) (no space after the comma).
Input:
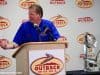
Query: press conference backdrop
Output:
(71,17)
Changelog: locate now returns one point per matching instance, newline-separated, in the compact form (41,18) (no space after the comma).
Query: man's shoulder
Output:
(47,21)
(26,23)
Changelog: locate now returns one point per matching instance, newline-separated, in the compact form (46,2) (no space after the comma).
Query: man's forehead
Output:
(32,10)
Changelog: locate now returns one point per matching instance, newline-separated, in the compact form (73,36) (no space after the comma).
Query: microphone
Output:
(48,31)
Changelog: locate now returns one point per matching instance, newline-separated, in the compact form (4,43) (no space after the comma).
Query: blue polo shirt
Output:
(28,32)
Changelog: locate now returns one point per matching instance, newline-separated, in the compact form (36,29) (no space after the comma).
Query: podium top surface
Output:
(39,43)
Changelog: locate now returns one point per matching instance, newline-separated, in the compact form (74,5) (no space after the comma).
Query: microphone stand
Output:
(48,31)
(51,36)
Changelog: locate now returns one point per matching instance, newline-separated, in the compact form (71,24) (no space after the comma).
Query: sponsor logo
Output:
(90,39)
(57,1)
(84,3)
(26,3)
(48,65)
(4,23)
(3,2)
(5,62)
(59,21)
(85,20)
(81,38)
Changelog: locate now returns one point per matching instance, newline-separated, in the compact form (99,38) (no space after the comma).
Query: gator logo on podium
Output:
(59,21)
(48,65)
(4,23)
(84,3)
(5,62)
(26,3)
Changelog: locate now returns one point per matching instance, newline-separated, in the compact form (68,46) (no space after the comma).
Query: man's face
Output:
(33,16)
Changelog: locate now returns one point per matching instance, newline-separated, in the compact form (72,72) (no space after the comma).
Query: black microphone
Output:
(48,31)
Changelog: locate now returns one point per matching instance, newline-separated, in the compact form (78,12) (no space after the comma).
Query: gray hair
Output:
(38,9)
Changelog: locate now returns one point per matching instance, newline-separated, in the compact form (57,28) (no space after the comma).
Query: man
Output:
(35,29)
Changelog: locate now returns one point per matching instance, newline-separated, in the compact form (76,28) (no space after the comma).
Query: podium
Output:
(30,57)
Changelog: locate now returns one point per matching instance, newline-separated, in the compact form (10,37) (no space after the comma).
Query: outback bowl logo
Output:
(26,3)
(84,3)
(85,19)
(4,23)
(4,62)
(59,21)
(48,65)
(81,38)
(3,2)
(57,1)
